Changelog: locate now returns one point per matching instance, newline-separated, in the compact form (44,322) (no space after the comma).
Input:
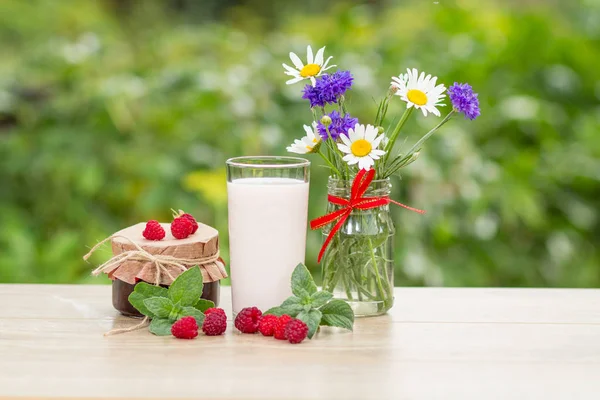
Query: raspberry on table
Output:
(296,331)
(185,328)
(279,332)
(215,324)
(267,324)
(183,214)
(247,320)
(181,228)
(215,310)
(153,231)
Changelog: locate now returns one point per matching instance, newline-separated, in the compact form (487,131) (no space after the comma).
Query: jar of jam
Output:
(136,259)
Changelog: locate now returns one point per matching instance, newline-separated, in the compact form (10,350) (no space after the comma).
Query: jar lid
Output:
(201,248)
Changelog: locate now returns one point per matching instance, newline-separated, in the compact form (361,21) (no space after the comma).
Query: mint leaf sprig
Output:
(315,308)
(165,306)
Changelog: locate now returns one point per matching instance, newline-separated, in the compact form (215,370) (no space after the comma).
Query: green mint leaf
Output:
(147,290)
(176,313)
(303,284)
(320,298)
(311,319)
(143,291)
(161,307)
(290,309)
(290,306)
(186,289)
(337,313)
(277,311)
(291,300)
(137,300)
(337,321)
(203,304)
(304,296)
(193,312)
(160,327)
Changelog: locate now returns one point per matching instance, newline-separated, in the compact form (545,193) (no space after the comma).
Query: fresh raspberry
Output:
(183,214)
(279,332)
(296,331)
(266,325)
(185,328)
(215,324)
(192,220)
(215,310)
(153,231)
(181,228)
(247,320)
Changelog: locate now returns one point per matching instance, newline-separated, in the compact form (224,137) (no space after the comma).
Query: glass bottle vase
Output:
(358,265)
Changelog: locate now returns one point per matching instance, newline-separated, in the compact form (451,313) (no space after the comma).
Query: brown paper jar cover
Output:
(202,244)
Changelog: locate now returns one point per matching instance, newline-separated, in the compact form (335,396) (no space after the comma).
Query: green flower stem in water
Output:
(382,291)
(352,265)
(365,293)
(347,286)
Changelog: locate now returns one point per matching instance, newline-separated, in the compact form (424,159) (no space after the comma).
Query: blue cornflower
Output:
(464,100)
(339,125)
(328,88)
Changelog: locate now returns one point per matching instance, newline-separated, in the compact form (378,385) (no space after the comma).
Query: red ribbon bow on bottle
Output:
(357,201)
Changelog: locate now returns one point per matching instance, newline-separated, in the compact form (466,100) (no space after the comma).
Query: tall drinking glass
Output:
(268,211)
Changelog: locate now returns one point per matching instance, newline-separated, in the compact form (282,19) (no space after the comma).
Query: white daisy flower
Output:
(419,91)
(308,143)
(313,68)
(361,145)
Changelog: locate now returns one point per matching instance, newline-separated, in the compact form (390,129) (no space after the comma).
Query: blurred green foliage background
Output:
(114,111)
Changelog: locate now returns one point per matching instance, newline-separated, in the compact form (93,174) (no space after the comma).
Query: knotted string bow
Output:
(359,187)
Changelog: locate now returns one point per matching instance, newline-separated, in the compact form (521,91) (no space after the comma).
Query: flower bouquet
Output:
(357,253)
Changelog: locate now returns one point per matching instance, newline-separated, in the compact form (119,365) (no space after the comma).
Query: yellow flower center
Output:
(361,148)
(417,97)
(310,70)
(311,148)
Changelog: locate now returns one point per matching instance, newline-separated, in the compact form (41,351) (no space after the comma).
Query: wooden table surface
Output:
(436,343)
